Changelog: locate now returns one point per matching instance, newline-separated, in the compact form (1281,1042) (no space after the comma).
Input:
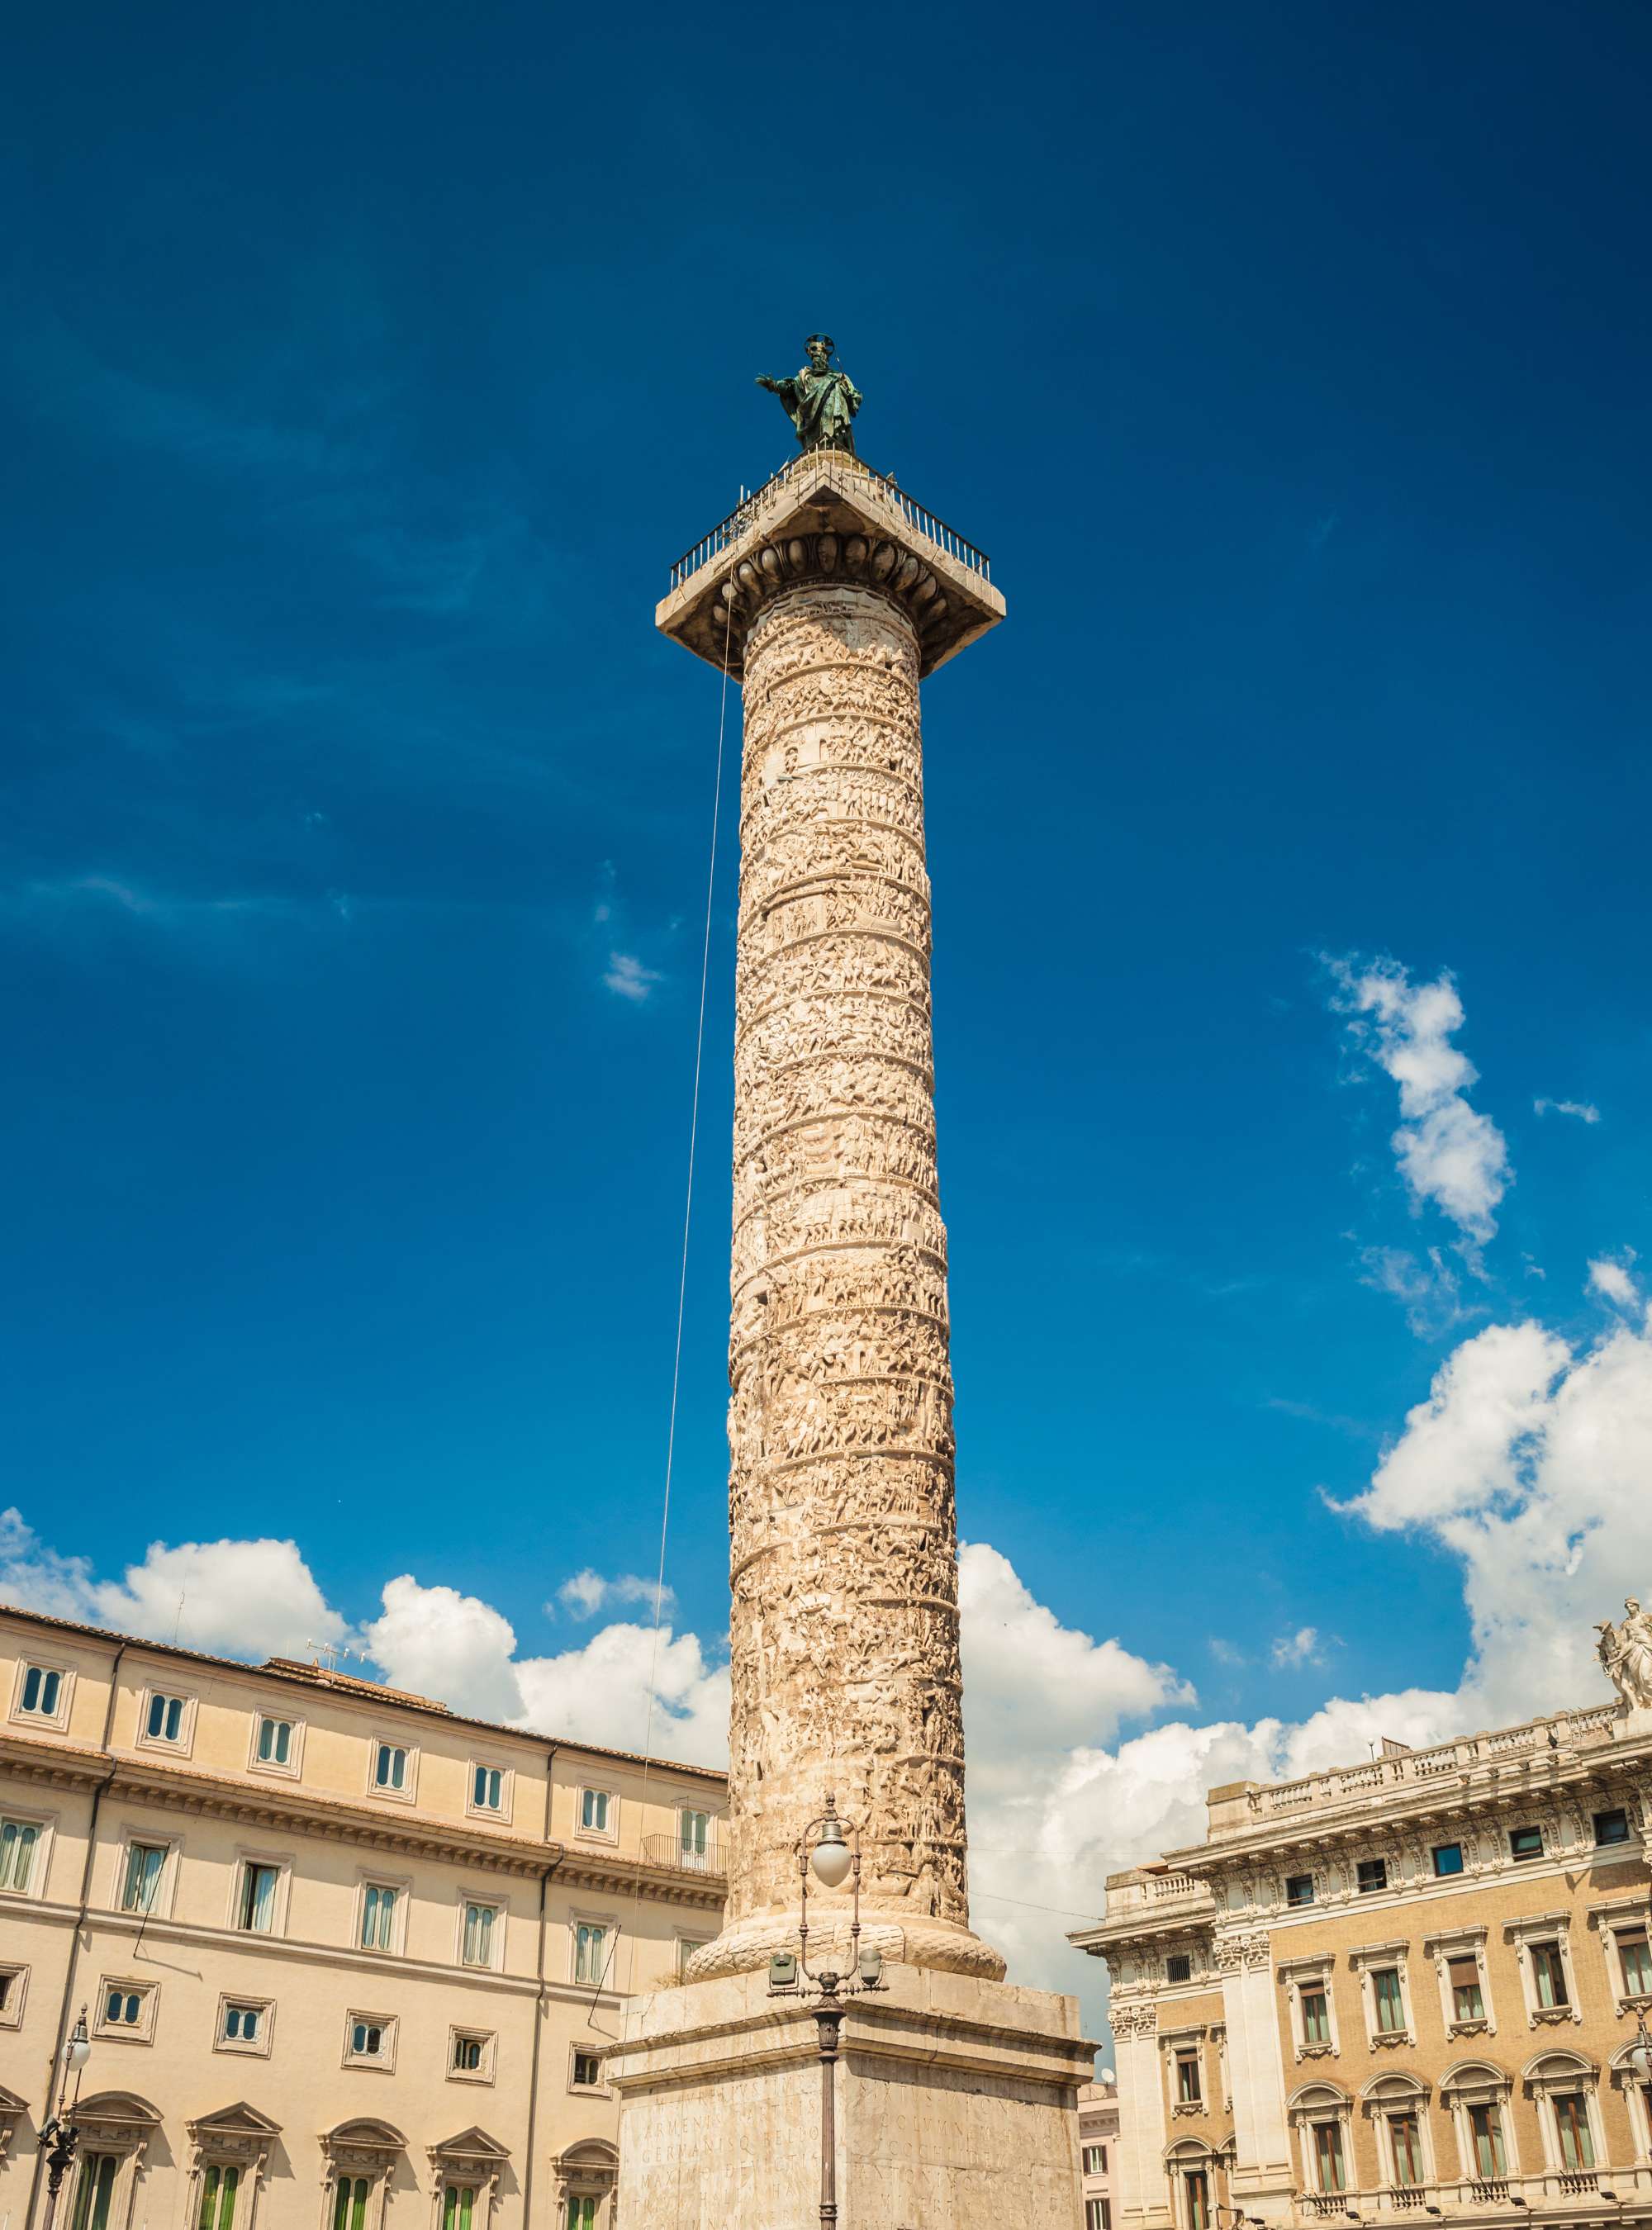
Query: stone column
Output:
(844,1640)
(831,596)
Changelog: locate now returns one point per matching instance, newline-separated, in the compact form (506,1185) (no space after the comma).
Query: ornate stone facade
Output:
(844,1638)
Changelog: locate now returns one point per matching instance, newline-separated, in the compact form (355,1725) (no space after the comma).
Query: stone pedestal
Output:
(955,2107)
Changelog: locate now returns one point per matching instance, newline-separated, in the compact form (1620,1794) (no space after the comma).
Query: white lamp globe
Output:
(831,1856)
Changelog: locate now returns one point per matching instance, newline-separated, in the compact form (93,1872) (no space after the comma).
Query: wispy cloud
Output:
(626,976)
(1291,1652)
(1429,1290)
(1449,1155)
(1611,1279)
(1584,1109)
(588,1592)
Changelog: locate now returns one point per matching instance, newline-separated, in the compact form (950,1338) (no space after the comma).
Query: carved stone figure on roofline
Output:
(1626,1655)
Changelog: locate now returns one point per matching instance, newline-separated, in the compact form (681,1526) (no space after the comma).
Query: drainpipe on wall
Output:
(546,1874)
(79,1922)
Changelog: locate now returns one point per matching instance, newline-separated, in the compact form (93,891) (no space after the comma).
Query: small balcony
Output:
(685,1854)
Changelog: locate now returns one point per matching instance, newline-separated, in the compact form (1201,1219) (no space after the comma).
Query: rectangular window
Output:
(1549,1975)
(1095,2160)
(377,1916)
(1299,1889)
(459,2206)
(1468,2003)
(1178,1967)
(18,1839)
(591,1951)
(255,1909)
(40,1689)
(587,2071)
(243,2024)
(1390,2004)
(1316,2017)
(218,2188)
(1188,2090)
(94,2193)
(123,2006)
(487,1789)
(477,1947)
(1198,2199)
(686,1948)
(1328,2164)
(1486,2131)
(1525,1842)
(165,1720)
(1612,1827)
(582,2212)
(1097,2215)
(368,2039)
(693,1838)
(470,2053)
(142,1880)
(350,2203)
(1448,1859)
(1405,2144)
(274,1741)
(11,1987)
(390,1767)
(1373,1874)
(593,1810)
(1636,1960)
(1572,2120)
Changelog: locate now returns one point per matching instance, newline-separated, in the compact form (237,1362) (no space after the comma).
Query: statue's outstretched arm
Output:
(785,389)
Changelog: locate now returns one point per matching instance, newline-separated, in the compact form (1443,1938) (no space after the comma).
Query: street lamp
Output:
(60,2137)
(833,1859)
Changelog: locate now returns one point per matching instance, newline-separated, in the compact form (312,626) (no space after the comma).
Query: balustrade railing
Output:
(685,1854)
(855,478)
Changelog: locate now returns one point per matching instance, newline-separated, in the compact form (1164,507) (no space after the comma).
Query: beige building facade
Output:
(349,1960)
(1098,2122)
(1407,1988)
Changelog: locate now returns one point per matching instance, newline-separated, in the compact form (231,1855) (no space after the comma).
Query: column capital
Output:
(824,518)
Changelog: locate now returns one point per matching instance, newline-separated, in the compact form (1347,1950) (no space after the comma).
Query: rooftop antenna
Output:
(327,1649)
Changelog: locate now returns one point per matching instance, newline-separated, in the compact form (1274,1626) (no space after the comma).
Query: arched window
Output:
(1320,2115)
(1397,2107)
(1563,2085)
(1476,2095)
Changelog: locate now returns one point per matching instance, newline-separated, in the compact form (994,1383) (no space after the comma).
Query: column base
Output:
(955,2106)
(941,1945)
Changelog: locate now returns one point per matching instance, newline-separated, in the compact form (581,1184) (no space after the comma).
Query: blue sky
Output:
(365,374)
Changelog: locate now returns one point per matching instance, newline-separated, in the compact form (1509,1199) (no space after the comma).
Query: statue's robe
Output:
(820,404)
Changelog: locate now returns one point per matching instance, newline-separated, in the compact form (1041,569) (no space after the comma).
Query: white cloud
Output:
(1292,1651)
(1430,1291)
(626,975)
(1613,1279)
(588,1592)
(1449,1153)
(1584,1110)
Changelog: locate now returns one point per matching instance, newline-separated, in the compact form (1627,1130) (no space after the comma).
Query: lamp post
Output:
(60,2137)
(833,1861)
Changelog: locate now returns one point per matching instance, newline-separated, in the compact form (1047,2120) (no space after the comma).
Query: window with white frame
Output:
(166,1719)
(1459,1957)
(585,2068)
(220,2188)
(1543,1954)
(244,2025)
(258,1886)
(43,1693)
(1095,2160)
(20,1842)
(1195,2199)
(1320,2114)
(392,1770)
(380,1911)
(141,1876)
(1187,2077)
(695,1839)
(480,1932)
(470,2054)
(1384,1992)
(1562,2086)
(598,1809)
(13,1988)
(370,2041)
(1634,1961)
(1313,2011)
(276,1744)
(1476,2098)
(487,1784)
(686,1947)
(126,2011)
(1097,2215)
(1396,2106)
(591,1951)
(1612,1827)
